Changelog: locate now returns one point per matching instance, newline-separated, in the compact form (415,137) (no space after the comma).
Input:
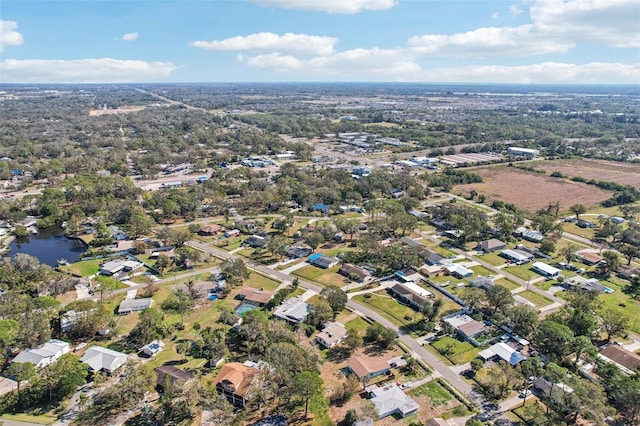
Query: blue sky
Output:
(475,41)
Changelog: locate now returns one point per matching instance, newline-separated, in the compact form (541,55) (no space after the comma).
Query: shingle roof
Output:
(362,366)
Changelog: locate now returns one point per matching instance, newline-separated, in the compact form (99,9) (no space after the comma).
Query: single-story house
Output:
(418,214)
(581,283)
(7,385)
(410,242)
(45,354)
(589,258)
(585,224)
(324,262)
(117,233)
(331,335)
(491,245)
(431,257)
(467,327)
(411,294)
(516,256)
(71,318)
(233,381)
(112,267)
(208,230)
(355,273)
(546,387)
(121,246)
(249,224)
(390,400)
(484,283)
(351,208)
(293,310)
(232,233)
(170,375)
(153,348)
(529,235)
(134,305)
(454,234)
(437,421)
(458,271)
(627,272)
(365,368)
(545,270)
(254,297)
(255,241)
(502,351)
(626,361)
(103,359)
(298,252)
(441,224)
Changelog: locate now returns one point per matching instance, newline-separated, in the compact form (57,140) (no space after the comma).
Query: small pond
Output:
(49,245)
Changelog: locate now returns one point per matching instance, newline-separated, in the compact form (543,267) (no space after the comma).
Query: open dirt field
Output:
(531,191)
(611,171)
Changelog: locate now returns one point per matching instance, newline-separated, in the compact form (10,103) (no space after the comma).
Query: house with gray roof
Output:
(293,310)
(43,355)
(134,305)
(390,400)
(102,359)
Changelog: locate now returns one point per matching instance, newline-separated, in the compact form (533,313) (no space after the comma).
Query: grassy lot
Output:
(260,281)
(357,324)
(436,393)
(480,271)
(110,282)
(41,419)
(510,285)
(321,276)
(537,299)
(572,228)
(621,302)
(493,258)
(522,271)
(230,243)
(84,268)
(388,307)
(456,351)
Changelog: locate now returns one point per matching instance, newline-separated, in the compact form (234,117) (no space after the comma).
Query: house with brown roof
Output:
(366,368)
(209,230)
(233,381)
(254,297)
(626,361)
(627,272)
(411,294)
(589,258)
(467,327)
(355,273)
(493,244)
(168,375)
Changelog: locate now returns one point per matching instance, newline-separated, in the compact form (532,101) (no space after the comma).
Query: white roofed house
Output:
(43,355)
(102,359)
(390,400)
(545,270)
(331,335)
(134,305)
(293,310)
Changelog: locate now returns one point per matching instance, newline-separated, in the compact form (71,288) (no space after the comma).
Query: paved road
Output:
(438,366)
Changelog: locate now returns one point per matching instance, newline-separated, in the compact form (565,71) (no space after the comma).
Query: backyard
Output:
(454,350)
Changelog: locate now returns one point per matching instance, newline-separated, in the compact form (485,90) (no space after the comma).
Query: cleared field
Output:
(531,191)
(610,171)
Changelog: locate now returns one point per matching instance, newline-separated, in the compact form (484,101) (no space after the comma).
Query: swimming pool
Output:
(212,297)
(245,307)
(608,290)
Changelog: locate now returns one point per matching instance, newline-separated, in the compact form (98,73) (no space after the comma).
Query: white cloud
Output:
(546,72)
(611,22)
(514,10)
(350,64)
(8,34)
(523,40)
(557,26)
(495,15)
(129,37)
(100,70)
(330,6)
(287,43)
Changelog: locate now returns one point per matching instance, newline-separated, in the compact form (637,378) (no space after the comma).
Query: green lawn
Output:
(539,300)
(493,258)
(260,281)
(230,243)
(456,351)
(42,419)
(84,268)
(572,228)
(436,393)
(321,276)
(357,324)
(510,285)
(110,282)
(480,271)
(522,271)
(388,307)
